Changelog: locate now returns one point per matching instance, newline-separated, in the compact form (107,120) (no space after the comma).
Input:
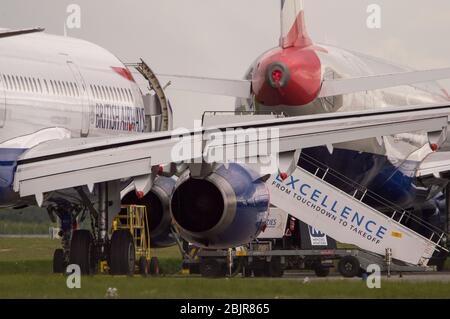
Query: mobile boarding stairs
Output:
(387,239)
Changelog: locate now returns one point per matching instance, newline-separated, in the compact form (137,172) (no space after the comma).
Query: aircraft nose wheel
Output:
(82,252)
(122,253)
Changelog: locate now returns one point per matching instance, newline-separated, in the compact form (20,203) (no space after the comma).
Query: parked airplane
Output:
(301,77)
(74,138)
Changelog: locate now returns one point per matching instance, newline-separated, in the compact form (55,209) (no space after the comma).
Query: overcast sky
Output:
(220,38)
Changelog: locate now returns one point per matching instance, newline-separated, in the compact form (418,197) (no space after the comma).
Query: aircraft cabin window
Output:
(58,87)
(27,85)
(40,85)
(46,87)
(72,89)
(52,86)
(76,90)
(122,97)
(64,88)
(16,82)
(5,85)
(116,94)
(66,93)
(131,96)
(101,89)
(12,82)
(115,97)
(97,92)
(35,87)
(32,89)
(103,92)
(22,84)
(7,82)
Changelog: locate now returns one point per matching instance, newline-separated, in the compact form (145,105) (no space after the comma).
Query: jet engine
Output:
(157,202)
(225,209)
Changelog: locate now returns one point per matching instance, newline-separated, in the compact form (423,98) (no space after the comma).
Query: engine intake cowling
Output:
(225,209)
(158,203)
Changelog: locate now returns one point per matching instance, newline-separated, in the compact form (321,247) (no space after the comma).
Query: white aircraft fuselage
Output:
(54,87)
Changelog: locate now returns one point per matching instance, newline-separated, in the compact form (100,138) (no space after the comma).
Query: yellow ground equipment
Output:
(130,242)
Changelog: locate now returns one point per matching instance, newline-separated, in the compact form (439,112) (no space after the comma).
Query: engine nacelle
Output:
(157,202)
(225,209)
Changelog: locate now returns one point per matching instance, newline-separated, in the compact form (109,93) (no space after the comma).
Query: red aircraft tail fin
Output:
(293,26)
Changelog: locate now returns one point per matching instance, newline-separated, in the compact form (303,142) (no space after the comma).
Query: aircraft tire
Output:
(58,261)
(122,253)
(82,252)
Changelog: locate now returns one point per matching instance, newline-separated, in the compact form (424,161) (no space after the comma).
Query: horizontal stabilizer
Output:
(378,82)
(225,87)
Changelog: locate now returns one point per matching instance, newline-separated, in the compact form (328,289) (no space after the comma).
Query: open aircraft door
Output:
(2,103)
(84,96)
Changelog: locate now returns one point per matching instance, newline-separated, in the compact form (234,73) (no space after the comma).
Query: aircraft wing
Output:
(58,165)
(12,33)
(435,164)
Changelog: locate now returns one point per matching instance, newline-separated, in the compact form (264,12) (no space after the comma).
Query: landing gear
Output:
(128,247)
(67,215)
(83,252)
(122,253)
(59,262)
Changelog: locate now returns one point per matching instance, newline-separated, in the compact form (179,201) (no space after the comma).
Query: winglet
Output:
(293,26)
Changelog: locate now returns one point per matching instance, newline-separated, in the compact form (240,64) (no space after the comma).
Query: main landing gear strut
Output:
(88,248)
